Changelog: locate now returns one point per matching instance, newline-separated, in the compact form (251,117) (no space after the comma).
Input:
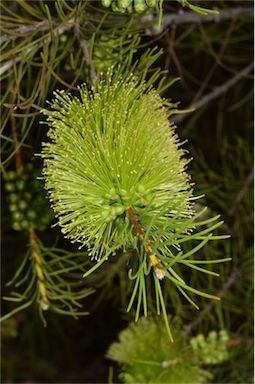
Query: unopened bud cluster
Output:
(210,350)
(137,6)
(26,199)
(115,202)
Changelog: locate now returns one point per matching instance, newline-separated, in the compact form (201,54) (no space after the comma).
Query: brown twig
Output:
(23,30)
(229,283)
(139,231)
(7,65)
(167,20)
(85,51)
(18,158)
(214,66)
(172,54)
(44,303)
(176,18)
(134,223)
(189,17)
(241,193)
(218,91)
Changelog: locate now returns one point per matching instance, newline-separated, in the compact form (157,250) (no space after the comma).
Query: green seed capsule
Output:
(13,207)
(13,197)
(116,198)
(118,210)
(17,215)
(106,3)
(151,3)
(139,210)
(11,175)
(24,224)
(127,199)
(10,187)
(125,3)
(140,6)
(16,226)
(224,335)
(114,7)
(20,185)
(201,340)
(212,336)
(139,201)
(22,205)
(194,344)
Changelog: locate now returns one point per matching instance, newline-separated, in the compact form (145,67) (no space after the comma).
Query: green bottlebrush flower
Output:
(116,178)
(113,150)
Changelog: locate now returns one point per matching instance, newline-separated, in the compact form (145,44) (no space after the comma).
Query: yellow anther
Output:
(147,248)
(154,260)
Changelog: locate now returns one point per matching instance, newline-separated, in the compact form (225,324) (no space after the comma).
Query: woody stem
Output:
(139,231)
(44,303)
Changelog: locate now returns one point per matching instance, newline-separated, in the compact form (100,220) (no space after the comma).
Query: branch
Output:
(154,261)
(18,158)
(191,17)
(36,257)
(23,30)
(177,18)
(85,51)
(218,91)
(168,19)
(242,192)
(231,281)
(58,31)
